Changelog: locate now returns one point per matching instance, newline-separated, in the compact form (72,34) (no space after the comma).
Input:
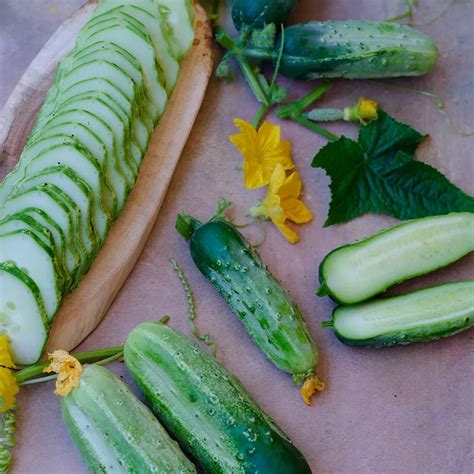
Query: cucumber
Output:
(44,199)
(356,272)
(154,26)
(28,252)
(114,431)
(179,15)
(269,314)
(423,315)
(248,14)
(22,315)
(205,407)
(354,49)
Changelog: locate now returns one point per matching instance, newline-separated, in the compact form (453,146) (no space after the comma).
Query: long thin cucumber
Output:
(423,315)
(356,272)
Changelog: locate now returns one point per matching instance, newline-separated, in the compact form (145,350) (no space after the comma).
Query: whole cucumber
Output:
(258,13)
(354,49)
(205,407)
(423,315)
(114,431)
(269,314)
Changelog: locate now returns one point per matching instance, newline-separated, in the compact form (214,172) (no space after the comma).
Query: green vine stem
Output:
(7,439)
(28,373)
(206,338)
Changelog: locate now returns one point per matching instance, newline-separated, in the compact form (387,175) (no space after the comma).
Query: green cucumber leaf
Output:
(378,174)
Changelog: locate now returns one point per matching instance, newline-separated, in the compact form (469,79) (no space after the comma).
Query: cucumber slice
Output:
(120,32)
(29,253)
(70,183)
(155,27)
(24,221)
(179,15)
(358,271)
(44,199)
(109,163)
(22,315)
(98,107)
(59,240)
(424,315)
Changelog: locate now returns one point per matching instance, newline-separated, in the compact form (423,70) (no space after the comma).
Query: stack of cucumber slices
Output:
(82,158)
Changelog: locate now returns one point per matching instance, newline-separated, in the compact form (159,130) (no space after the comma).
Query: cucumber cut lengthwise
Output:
(115,432)
(356,272)
(22,314)
(205,407)
(424,315)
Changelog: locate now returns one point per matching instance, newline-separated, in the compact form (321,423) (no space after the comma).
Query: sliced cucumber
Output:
(424,315)
(358,271)
(70,183)
(42,198)
(29,221)
(111,167)
(28,252)
(120,32)
(179,15)
(22,315)
(154,26)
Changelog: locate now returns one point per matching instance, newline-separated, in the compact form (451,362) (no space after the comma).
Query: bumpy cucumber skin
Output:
(425,333)
(205,407)
(325,290)
(269,314)
(355,49)
(133,439)
(258,13)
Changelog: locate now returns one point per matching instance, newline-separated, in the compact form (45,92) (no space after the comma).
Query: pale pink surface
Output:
(398,410)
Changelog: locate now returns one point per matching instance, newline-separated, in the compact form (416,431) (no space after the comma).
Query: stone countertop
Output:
(398,410)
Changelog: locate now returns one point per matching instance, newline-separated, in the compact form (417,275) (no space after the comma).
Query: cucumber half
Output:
(423,315)
(356,272)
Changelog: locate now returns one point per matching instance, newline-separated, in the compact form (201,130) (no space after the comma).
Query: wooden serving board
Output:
(83,309)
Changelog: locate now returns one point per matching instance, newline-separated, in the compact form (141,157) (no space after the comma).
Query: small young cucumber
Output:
(258,13)
(423,315)
(356,272)
(269,314)
(205,407)
(114,431)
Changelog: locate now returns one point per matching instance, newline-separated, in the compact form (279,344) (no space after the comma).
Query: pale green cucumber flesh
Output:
(205,407)
(29,253)
(422,315)
(114,431)
(358,271)
(22,315)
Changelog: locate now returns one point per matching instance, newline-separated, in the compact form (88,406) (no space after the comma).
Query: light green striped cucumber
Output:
(115,432)
(205,407)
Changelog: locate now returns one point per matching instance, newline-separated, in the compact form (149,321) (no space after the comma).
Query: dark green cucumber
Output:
(205,407)
(258,13)
(423,315)
(354,49)
(115,432)
(356,272)
(269,314)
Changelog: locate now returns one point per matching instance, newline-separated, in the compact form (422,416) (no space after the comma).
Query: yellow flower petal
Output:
(5,355)
(310,386)
(69,371)
(289,234)
(291,187)
(367,109)
(261,150)
(296,210)
(8,389)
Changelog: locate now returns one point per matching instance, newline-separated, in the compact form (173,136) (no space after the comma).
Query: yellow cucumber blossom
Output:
(363,111)
(69,371)
(310,386)
(8,384)
(282,203)
(262,150)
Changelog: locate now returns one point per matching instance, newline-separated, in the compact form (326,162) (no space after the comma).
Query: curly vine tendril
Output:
(7,439)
